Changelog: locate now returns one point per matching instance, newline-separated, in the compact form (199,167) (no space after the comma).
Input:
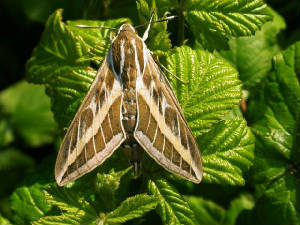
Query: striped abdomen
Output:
(128,63)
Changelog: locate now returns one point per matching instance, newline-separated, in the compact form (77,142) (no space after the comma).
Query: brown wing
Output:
(96,130)
(161,127)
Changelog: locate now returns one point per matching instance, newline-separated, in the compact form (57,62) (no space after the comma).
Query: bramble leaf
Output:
(29,115)
(29,204)
(172,208)
(212,91)
(213,22)
(213,87)
(74,209)
(4,221)
(107,185)
(276,130)
(277,153)
(227,152)
(132,207)
(252,56)
(208,212)
(237,205)
(158,39)
(13,159)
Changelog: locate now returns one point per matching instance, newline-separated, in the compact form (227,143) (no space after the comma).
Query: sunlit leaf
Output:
(212,22)
(132,207)
(29,204)
(252,56)
(172,208)
(213,89)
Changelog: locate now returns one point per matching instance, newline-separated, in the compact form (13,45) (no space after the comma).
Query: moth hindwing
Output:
(130,102)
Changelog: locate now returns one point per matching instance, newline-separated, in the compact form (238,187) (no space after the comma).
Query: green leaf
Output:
(276,130)
(213,22)
(13,159)
(14,166)
(210,213)
(146,7)
(54,64)
(29,204)
(213,87)
(252,56)
(74,209)
(280,202)
(97,40)
(68,200)
(227,152)
(131,208)
(6,130)
(61,62)
(172,208)
(107,186)
(277,164)
(29,113)
(158,39)
(243,202)
(213,90)
(4,221)
(64,219)
(207,212)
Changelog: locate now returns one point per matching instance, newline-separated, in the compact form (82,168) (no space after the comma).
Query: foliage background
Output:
(239,187)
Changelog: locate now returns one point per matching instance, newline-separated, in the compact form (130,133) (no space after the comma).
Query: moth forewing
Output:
(129,102)
(92,137)
(161,128)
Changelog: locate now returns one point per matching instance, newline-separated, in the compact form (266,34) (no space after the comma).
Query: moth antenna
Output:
(165,68)
(178,78)
(95,27)
(156,21)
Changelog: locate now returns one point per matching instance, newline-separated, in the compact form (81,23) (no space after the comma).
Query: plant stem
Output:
(180,34)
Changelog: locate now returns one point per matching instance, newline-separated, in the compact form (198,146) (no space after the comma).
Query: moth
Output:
(130,103)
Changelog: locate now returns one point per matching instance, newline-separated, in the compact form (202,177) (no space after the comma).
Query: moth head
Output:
(126,27)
